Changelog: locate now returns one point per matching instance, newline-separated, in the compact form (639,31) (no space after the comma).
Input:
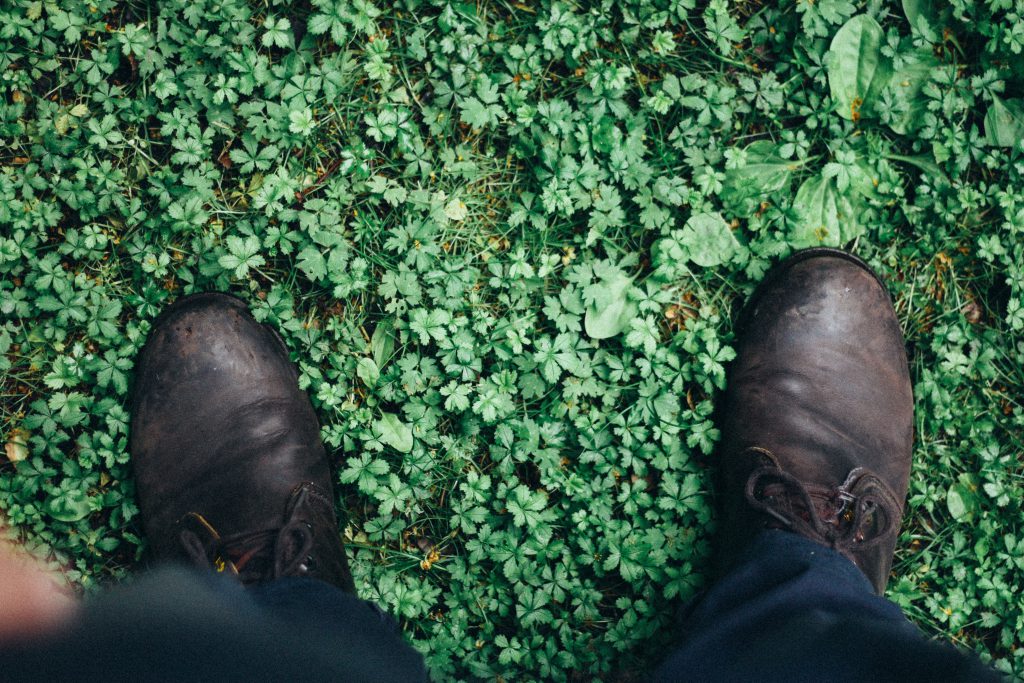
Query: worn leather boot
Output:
(229,467)
(817,420)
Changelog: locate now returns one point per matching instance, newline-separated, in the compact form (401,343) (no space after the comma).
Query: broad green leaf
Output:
(826,216)
(367,370)
(764,174)
(612,310)
(708,241)
(393,432)
(857,71)
(382,341)
(955,503)
(1004,122)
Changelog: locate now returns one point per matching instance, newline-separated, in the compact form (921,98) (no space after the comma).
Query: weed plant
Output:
(506,242)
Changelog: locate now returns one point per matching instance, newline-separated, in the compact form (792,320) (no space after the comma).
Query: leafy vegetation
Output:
(506,242)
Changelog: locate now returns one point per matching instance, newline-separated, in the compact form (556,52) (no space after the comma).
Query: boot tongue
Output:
(249,556)
(830,507)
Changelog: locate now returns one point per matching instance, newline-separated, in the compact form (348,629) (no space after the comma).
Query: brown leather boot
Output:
(817,420)
(229,467)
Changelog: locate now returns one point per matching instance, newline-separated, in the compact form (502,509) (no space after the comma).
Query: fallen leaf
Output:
(17,446)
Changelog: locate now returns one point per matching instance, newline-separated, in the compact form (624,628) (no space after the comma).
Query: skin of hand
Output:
(32,600)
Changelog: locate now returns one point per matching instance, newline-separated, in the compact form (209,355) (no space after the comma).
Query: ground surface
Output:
(505,242)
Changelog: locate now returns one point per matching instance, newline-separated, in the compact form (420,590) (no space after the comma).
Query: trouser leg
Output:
(794,610)
(181,625)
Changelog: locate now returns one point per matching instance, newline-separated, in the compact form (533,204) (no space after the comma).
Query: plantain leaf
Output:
(765,174)
(393,432)
(1004,122)
(857,71)
(611,309)
(827,217)
(382,342)
(955,503)
(368,371)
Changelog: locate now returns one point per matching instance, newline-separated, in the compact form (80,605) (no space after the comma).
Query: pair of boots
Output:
(817,429)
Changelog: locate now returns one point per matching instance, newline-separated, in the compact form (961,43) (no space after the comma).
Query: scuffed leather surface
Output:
(821,381)
(219,424)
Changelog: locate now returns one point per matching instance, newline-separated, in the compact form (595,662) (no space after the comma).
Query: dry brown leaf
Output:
(17,445)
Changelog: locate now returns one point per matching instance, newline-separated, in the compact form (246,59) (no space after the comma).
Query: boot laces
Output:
(251,556)
(857,514)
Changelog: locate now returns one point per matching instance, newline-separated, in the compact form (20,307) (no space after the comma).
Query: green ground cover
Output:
(506,242)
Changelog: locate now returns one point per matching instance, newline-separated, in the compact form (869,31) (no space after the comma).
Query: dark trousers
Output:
(794,610)
(178,624)
(791,610)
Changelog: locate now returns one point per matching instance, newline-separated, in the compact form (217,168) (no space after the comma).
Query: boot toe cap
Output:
(218,418)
